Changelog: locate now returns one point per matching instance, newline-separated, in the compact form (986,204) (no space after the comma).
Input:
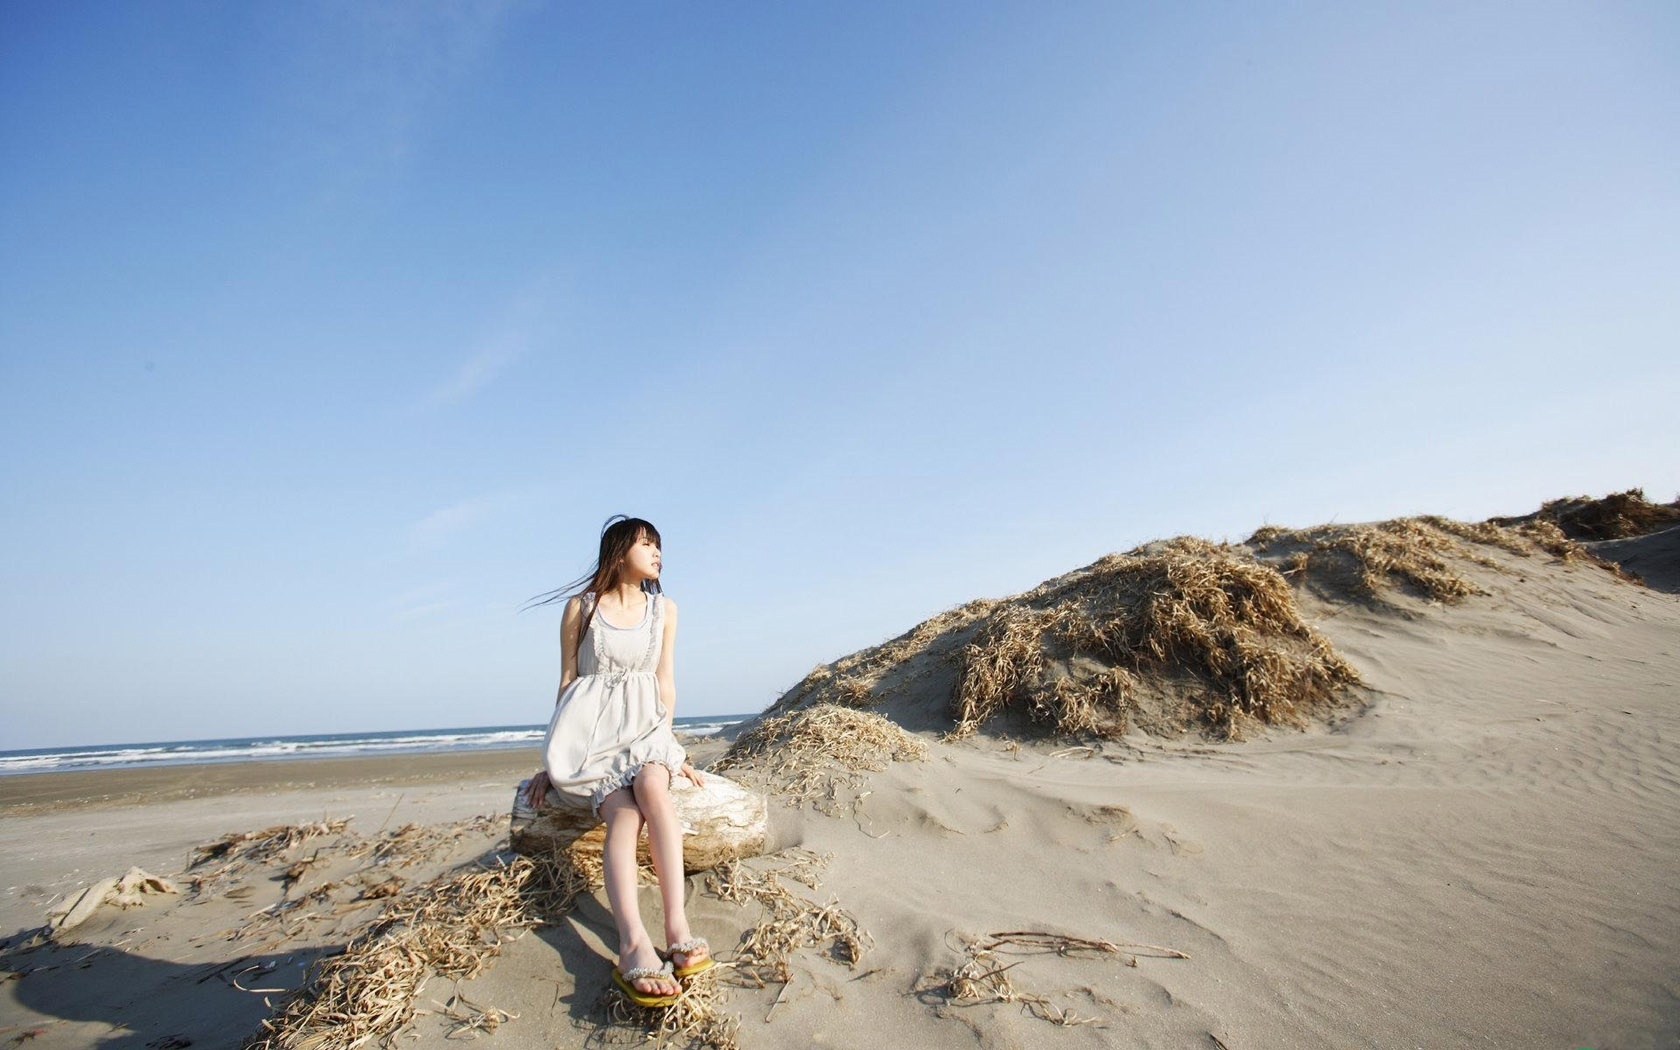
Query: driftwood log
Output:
(721,821)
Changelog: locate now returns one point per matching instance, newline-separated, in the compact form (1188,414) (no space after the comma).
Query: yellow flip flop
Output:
(626,984)
(689,947)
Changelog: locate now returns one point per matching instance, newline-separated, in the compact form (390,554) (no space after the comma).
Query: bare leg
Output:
(653,796)
(618,859)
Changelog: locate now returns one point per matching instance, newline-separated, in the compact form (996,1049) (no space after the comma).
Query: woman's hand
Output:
(693,774)
(537,789)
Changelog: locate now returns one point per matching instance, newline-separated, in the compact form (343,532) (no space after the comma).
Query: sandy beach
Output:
(1477,849)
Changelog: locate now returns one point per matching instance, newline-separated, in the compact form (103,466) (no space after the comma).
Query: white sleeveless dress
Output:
(610,722)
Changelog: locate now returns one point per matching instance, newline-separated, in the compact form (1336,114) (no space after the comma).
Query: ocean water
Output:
(316,745)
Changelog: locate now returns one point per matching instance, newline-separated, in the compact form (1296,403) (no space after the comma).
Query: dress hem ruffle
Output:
(627,776)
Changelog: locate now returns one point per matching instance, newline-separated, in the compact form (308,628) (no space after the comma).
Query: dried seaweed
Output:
(695,1019)
(789,921)
(1613,517)
(416,843)
(259,847)
(452,927)
(983,978)
(813,753)
(1365,562)
(1204,622)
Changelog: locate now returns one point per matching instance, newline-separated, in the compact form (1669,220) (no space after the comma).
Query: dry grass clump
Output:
(1416,554)
(401,848)
(857,679)
(240,851)
(259,847)
(1410,552)
(1522,537)
(300,912)
(1204,621)
(1616,516)
(470,1018)
(982,978)
(289,918)
(452,927)
(813,752)
(414,843)
(695,1019)
(790,921)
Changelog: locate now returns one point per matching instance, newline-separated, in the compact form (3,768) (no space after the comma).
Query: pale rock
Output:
(721,821)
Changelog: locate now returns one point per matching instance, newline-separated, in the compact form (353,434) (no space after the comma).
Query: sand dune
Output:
(1474,846)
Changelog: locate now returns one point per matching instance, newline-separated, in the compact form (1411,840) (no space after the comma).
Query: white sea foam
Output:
(48,760)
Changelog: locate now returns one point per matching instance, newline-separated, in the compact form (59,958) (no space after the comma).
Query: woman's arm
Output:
(667,662)
(571,622)
(668,681)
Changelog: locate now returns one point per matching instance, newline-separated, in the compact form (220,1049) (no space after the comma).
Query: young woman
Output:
(610,747)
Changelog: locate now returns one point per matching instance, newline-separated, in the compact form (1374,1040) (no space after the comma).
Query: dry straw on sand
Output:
(1616,516)
(790,921)
(451,927)
(1418,555)
(1205,623)
(415,843)
(983,977)
(695,1019)
(813,753)
(1184,633)
(1363,561)
(259,847)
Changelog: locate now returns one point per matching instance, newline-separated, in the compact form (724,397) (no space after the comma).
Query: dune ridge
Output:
(1471,843)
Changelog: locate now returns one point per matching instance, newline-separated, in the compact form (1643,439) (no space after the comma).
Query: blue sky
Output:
(330,333)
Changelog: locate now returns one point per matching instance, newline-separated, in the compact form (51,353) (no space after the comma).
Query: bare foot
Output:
(642,956)
(681,958)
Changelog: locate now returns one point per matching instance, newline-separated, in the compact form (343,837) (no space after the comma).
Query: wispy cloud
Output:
(525,321)
(414,52)
(370,81)
(436,529)
(429,599)
(479,370)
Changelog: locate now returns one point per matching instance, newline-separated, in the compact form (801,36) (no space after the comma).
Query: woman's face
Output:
(644,557)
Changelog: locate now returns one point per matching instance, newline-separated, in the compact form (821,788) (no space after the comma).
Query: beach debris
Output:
(813,753)
(470,1018)
(417,843)
(982,977)
(125,891)
(346,893)
(260,847)
(452,927)
(287,917)
(296,871)
(721,821)
(1036,942)
(378,887)
(789,921)
(1614,517)
(695,1019)
(1183,634)
(1364,561)
(1417,554)
(1176,633)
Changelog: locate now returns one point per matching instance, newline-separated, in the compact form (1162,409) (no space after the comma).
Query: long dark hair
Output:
(618,535)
